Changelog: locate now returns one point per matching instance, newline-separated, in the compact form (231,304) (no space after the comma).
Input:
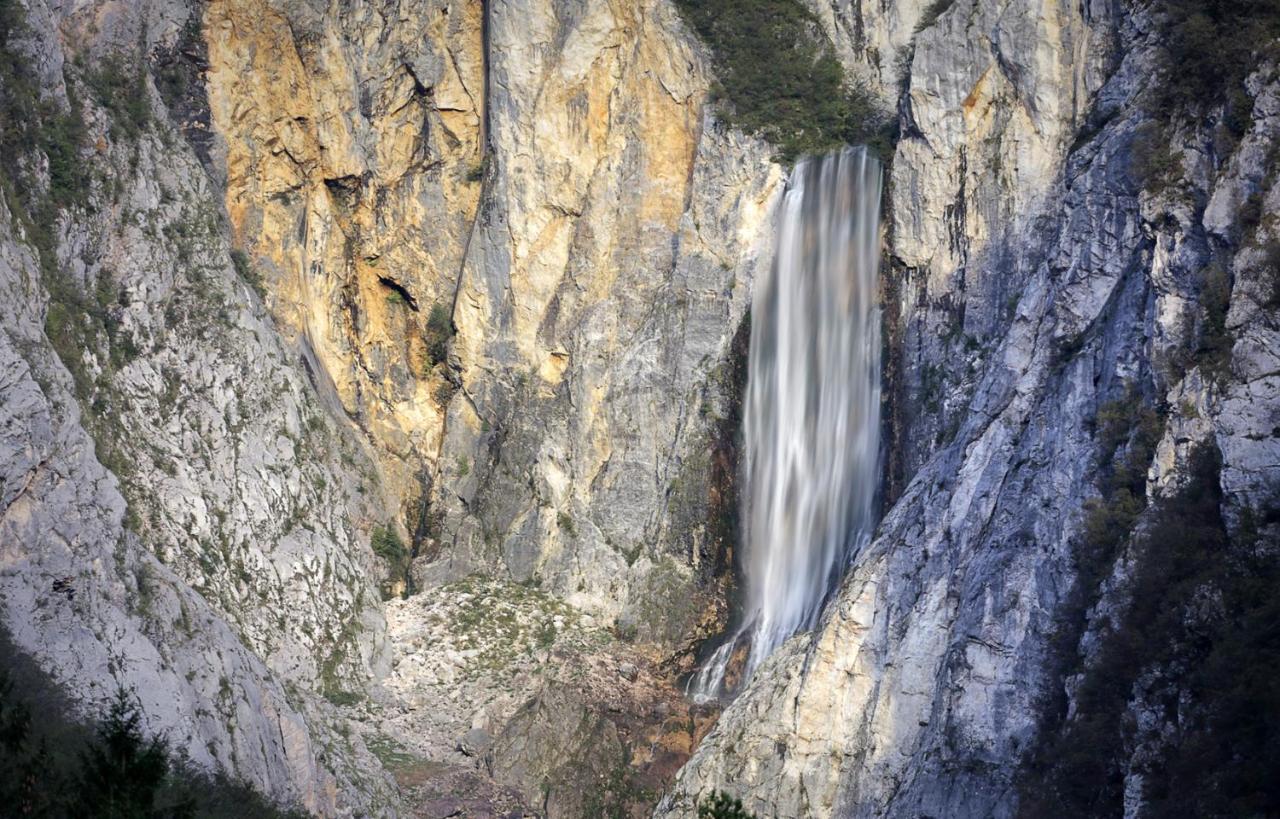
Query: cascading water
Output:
(812,409)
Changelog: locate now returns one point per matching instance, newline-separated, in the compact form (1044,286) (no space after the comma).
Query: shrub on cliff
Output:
(723,806)
(438,333)
(1195,648)
(1210,47)
(777,78)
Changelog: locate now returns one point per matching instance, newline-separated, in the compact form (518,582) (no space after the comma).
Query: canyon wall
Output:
(182,515)
(1042,282)
(309,306)
(459,277)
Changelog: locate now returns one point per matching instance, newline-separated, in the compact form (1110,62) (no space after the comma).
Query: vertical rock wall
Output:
(1036,277)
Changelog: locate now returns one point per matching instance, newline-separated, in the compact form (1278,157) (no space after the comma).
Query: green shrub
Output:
(30,124)
(1214,343)
(932,12)
(1200,634)
(1152,162)
(1268,270)
(247,272)
(119,85)
(778,78)
(438,333)
(1210,47)
(386,544)
(1126,431)
(723,806)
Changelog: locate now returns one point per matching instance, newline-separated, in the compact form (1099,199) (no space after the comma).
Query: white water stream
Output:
(812,410)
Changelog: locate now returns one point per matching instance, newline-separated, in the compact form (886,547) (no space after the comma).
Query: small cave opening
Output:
(399,289)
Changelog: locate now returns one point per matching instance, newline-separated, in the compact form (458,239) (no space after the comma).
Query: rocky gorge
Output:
(371,378)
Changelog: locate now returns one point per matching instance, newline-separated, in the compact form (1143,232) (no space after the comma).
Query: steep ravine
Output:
(370,378)
(1073,298)
(335,320)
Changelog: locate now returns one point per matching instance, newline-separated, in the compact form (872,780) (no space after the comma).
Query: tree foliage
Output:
(53,766)
(778,78)
(723,806)
(1198,642)
(1210,47)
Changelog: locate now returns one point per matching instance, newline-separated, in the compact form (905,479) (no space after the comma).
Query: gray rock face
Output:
(191,466)
(606,277)
(237,424)
(180,514)
(1031,283)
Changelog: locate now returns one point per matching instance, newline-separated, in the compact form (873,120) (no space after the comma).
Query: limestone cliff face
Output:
(182,515)
(475,272)
(605,280)
(228,366)
(558,194)
(1034,279)
(351,142)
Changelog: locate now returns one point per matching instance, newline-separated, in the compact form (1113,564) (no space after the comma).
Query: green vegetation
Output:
(1268,274)
(439,332)
(30,125)
(1214,343)
(247,272)
(393,755)
(932,12)
(723,806)
(119,84)
(1211,46)
(387,544)
(1154,166)
(333,686)
(1199,640)
(502,622)
(53,766)
(778,78)
(1126,431)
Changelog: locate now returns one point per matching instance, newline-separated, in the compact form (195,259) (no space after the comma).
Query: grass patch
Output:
(390,753)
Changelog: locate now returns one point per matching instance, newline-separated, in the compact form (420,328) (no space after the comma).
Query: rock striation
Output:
(1037,276)
(342,301)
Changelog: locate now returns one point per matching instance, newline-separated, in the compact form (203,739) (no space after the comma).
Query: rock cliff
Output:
(181,515)
(312,313)
(1043,282)
(355,301)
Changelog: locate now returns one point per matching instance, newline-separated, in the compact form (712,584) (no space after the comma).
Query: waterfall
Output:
(811,423)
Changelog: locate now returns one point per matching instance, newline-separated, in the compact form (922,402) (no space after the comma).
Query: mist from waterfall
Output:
(811,424)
